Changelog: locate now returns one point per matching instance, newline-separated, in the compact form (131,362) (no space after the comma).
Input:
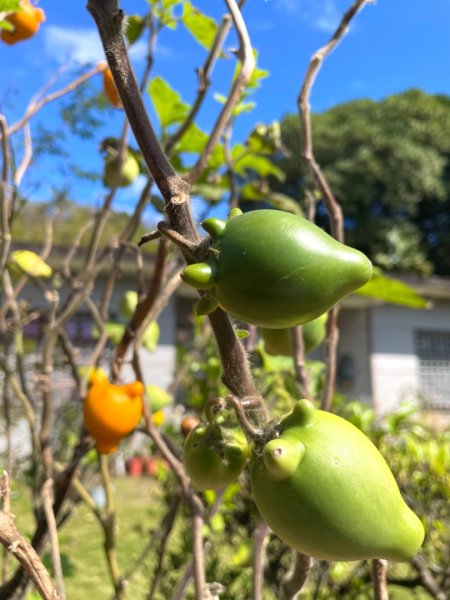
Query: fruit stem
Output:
(252,432)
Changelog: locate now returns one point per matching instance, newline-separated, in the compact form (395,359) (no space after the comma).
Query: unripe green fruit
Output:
(275,269)
(214,460)
(128,172)
(279,341)
(128,304)
(327,492)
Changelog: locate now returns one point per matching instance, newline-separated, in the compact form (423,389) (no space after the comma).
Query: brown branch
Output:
(143,307)
(296,577)
(248,64)
(298,352)
(259,545)
(331,344)
(17,545)
(175,191)
(333,208)
(5,192)
(427,579)
(379,579)
(47,501)
(204,74)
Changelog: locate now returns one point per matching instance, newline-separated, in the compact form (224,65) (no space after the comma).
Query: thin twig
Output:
(333,208)
(248,64)
(36,105)
(17,545)
(47,501)
(379,579)
(259,545)
(296,577)
(298,350)
(427,578)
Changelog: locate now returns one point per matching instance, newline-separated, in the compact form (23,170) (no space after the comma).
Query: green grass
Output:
(138,509)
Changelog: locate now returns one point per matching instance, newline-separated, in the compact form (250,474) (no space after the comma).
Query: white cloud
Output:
(329,18)
(319,14)
(82,45)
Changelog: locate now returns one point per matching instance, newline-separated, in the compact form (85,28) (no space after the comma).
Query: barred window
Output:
(433,352)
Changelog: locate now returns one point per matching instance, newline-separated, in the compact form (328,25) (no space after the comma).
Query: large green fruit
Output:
(213,460)
(325,490)
(275,269)
(279,341)
(128,172)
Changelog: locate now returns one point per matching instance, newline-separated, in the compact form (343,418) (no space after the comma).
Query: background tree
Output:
(388,163)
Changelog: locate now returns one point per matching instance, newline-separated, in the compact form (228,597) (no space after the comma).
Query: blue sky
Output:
(392,46)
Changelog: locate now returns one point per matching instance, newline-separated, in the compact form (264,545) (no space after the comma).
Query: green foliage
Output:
(9,5)
(199,25)
(167,102)
(391,290)
(135,25)
(388,164)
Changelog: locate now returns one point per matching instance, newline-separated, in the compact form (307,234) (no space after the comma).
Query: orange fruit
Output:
(111,412)
(26,22)
(110,90)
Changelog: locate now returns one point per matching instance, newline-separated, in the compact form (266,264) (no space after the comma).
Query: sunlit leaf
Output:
(167,102)
(134,27)
(194,140)
(392,290)
(202,27)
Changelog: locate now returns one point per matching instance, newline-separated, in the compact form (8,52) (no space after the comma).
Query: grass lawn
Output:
(81,539)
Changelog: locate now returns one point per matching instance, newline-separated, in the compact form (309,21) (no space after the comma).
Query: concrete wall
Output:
(353,349)
(394,364)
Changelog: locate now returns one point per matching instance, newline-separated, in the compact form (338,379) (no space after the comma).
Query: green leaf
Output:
(208,191)
(6,25)
(284,202)
(250,191)
(243,107)
(9,5)
(392,290)
(202,28)
(194,140)
(134,27)
(167,102)
(261,165)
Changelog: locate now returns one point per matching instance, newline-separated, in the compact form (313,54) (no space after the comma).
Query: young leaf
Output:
(202,28)
(261,165)
(391,290)
(134,27)
(194,140)
(167,102)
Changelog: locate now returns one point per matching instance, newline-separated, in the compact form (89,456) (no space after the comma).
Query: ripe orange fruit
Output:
(110,90)
(26,22)
(112,411)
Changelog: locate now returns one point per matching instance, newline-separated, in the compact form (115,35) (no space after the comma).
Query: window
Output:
(433,352)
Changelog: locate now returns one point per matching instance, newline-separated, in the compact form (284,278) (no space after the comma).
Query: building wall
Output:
(394,361)
(354,377)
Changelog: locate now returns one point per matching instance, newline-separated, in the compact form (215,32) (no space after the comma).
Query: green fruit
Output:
(213,460)
(279,341)
(275,269)
(26,261)
(326,491)
(151,336)
(128,172)
(128,304)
